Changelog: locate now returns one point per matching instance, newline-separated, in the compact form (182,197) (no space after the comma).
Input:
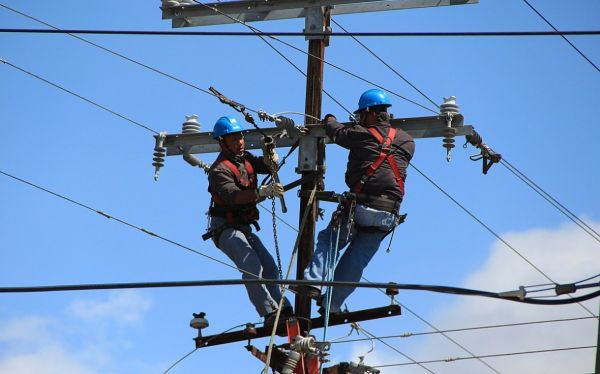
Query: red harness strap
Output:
(383,155)
(246,183)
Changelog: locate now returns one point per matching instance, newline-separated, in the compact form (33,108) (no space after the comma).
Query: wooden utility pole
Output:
(312,156)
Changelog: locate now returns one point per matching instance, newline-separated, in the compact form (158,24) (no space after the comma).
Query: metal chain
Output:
(274,219)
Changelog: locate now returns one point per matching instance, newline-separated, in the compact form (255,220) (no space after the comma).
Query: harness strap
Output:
(246,183)
(385,154)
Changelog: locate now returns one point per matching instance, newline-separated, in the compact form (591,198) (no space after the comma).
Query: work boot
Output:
(306,290)
(286,313)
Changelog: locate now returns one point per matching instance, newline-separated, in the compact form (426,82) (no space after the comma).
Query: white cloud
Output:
(123,307)
(62,344)
(565,255)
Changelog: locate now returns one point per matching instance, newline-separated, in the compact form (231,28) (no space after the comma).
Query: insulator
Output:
(290,363)
(250,331)
(449,106)
(159,154)
(304,344)
(191,125)
(474,138)
(448,141)
(199,322)
(391,291)
(285,122)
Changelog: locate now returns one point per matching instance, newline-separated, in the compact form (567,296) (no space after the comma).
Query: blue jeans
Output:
(363,246)
(248,253)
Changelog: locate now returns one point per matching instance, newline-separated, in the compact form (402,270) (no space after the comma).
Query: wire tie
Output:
(450,359)
(406,335)
(103,214)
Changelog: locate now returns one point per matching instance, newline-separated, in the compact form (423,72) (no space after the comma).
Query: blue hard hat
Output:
(225,126)
(374,97)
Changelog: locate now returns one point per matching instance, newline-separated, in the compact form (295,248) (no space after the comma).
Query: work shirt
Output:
(364,149)
(223,182)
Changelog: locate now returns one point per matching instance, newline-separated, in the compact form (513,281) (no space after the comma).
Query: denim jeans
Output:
(248,253)
(362,246)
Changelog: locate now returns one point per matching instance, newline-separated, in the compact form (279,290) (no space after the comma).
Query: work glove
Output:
(328,117)
(271,190)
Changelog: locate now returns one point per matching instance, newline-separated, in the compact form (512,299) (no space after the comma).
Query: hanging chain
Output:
(275,240)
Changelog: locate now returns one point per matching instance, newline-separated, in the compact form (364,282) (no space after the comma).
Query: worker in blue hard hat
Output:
(375,174)
(233,187)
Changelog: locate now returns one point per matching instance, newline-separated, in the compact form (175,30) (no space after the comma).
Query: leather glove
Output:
(328,117)
(271,190)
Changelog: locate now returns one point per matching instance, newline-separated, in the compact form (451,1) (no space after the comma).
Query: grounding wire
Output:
(567,40)
(453,359)
(314,56)
(303,34)
(126,223)
(475,328)
(78,96)
(386,64)
(561,208)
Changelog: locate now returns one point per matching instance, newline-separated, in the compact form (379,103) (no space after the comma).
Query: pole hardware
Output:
(487,155)
(159,154)
(199,323)
(268,156)
(192,126)
(449,109)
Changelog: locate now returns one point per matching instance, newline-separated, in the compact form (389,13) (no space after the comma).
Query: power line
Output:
(490,230)
(508,296)
(386,64)
(167,75)
(412,334)
(555,203)
(562,36)
(371,337)
(488,356)
(78,96)
(315,57)
(302,34)
(124,222)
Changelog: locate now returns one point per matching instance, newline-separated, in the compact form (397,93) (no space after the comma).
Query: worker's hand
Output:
(271,190)
(328,118)
(271,161)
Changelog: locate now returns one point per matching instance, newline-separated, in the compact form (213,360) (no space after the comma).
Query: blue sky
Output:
(533,99)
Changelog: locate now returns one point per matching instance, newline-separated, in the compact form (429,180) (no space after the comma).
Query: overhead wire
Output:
(106,215)
(78,96)
(550,199)
(315,57)
(453,359)
(372,336)
(567,40)
(475,328)
(304,34)
(449,338)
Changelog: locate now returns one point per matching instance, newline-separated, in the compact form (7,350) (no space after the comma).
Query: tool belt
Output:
(378,202)
(236,214)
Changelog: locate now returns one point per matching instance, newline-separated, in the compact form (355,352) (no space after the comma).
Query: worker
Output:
(232,185)
(375,174)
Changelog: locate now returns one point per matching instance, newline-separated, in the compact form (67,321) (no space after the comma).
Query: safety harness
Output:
(238,214)
(385,153)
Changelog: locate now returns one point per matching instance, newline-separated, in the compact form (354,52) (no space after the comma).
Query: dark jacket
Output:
(364,149)
(223,182)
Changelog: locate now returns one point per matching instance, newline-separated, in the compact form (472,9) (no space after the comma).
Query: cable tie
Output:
(520,293)
(563,289)
(148,232)
(451,359)
(103,214)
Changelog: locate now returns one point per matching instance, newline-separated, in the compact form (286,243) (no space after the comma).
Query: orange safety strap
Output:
(248,183)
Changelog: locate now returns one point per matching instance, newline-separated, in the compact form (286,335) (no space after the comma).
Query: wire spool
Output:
(191,125)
